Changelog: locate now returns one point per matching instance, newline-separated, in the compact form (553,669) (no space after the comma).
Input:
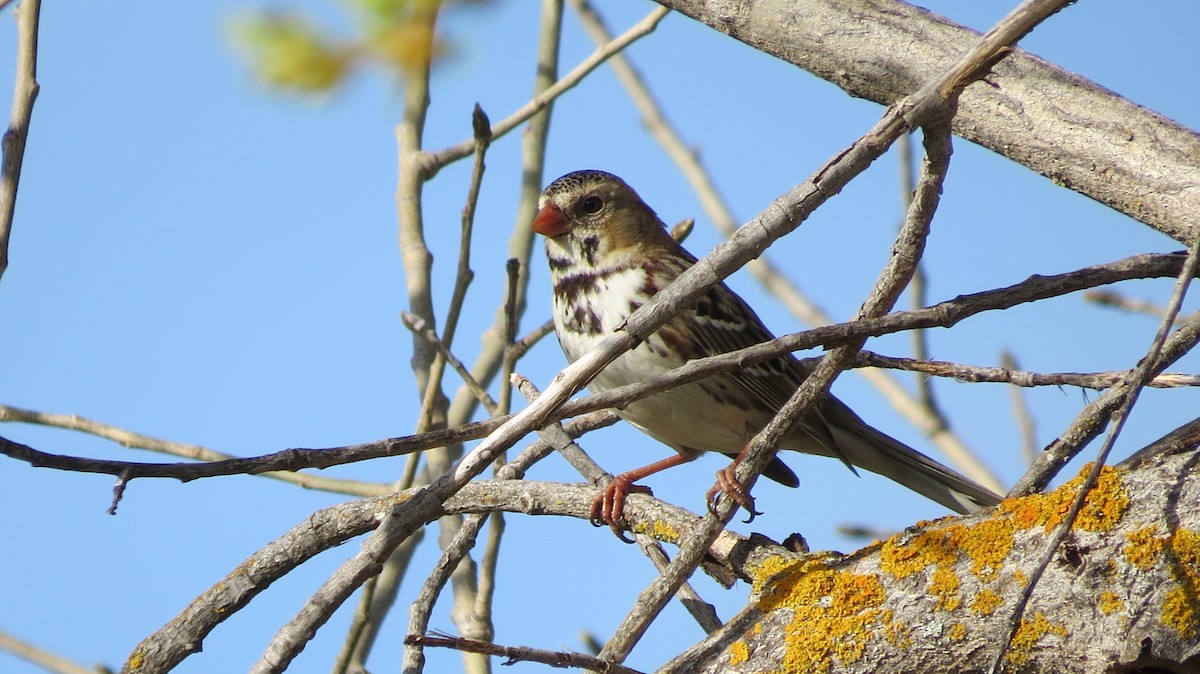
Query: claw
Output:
(727,483)
(609,505)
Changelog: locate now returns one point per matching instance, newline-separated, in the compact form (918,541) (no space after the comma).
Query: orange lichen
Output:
(1144,546)
(663,531)
(1029,634)
(903,556)
(958,632)
(835,613)
(739,652)
(945,586)
(1111,602)
(987,544)
(897,633)
(986,602)
(1103,507)
(1181,607)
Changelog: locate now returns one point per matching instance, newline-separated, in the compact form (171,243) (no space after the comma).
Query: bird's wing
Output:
(721,322)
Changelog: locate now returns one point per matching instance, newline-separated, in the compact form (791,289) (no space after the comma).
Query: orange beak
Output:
(550,221)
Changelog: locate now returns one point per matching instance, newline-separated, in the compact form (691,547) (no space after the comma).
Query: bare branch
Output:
(1018,378)
(1032,112)
(414,323)
(644,27)
(1021,415)
(56,664)
(133,440)
(1090,422)
(1111,298)
(1134,384)
(462,277)
(944,314)
(515,654)
(13,142)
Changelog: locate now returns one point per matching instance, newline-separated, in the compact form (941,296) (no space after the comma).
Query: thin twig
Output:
(1018,378)
(918,297)
(436,160)
(414,323)
(1135,382)
(1114,299)
(51,662)
(944,314)
(522,346)
(25,92)
(463,274)
(358,625)
(509,362)
(520,243)
(1095,416)
(133,440)
(1021,414)
(515,654)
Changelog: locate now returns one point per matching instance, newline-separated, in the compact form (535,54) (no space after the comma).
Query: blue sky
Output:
(200,259)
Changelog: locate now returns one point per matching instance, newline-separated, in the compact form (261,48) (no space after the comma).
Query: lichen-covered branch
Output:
(1125,589)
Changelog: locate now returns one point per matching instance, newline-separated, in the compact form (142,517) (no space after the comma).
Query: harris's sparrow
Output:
(608,254)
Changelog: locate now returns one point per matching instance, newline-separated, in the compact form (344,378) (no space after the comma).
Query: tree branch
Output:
(1052,121)
(944,314)
(13,142)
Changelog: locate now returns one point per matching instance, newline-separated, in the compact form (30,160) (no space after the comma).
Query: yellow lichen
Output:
(1103,507)
(986,602)
(1111,602)
(903,556)
(663,531)
(1029,634)
(1181,608)
(945,586)
(1143,547)
(988,543)
(739,652)
(958,632)
(896,632)
(834,613)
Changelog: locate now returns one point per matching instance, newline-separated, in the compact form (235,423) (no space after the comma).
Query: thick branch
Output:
(1030,111)
(1123,591)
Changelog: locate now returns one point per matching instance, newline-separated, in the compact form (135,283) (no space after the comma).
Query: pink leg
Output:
(610,504)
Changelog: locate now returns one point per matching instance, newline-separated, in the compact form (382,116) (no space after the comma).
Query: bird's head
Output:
(595,217)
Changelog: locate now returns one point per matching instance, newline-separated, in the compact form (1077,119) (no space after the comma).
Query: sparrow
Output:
(609,253)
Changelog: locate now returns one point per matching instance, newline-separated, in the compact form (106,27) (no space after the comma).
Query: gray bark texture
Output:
(1122,594)
(1067,128)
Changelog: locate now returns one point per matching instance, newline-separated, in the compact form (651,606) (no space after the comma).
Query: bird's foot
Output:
(610,504)
(728,484)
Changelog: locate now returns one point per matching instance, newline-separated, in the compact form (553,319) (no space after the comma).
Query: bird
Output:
(608,254)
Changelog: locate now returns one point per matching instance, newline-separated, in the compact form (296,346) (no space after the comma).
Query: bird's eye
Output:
(591,205)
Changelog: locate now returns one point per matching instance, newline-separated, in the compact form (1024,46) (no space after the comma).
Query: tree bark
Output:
(1067,128)
(1124,591)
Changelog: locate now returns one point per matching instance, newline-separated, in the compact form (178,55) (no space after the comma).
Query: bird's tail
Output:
(884,455)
